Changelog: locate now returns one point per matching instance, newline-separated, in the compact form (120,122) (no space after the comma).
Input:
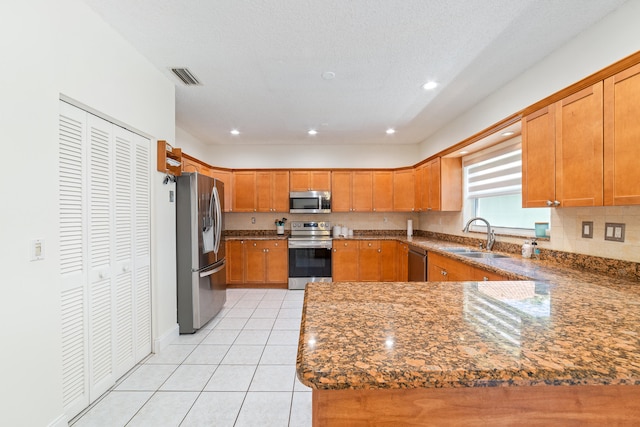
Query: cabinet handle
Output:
(549,203)
(556,203)
(485,278)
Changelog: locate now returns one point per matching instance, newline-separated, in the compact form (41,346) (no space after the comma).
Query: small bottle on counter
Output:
(535,251)
(527,249)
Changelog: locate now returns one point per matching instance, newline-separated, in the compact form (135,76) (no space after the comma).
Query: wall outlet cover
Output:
(587,229)
(614,232)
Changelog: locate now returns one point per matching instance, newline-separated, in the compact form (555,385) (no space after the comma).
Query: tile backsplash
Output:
(566,233)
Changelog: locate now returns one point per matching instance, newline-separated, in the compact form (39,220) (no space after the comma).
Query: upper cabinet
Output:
(404,190)
(352,191)
(272,194)
(440,182)
(301,180)
(260,191)
(226,177)
(622,138)
(562,152)
(382,191)
(169,158)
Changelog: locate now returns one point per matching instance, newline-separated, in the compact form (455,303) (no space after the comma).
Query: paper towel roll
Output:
(409,228)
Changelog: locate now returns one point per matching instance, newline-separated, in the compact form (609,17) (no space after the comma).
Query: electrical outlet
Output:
(614,232)
(587,229)
(171,196)
(253,220)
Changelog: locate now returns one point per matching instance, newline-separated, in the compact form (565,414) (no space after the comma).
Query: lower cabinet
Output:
(365,261)
(443,269)
(402,262)
(257,263)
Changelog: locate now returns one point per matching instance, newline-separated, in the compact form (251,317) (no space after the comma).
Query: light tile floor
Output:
(239,370)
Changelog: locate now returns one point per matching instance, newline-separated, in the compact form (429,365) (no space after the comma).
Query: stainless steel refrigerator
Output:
(200,254)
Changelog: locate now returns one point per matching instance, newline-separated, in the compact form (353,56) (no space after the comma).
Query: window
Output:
(493,188)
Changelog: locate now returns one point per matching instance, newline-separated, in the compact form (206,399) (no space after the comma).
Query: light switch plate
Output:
(587,229)
(36,250)
(614,232)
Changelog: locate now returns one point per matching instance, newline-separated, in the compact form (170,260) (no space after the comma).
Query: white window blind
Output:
(496,171)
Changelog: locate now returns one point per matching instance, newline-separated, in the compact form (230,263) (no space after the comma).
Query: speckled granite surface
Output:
(556,325)
(469,334)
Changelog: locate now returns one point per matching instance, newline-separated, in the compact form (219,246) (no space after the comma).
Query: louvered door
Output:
(104,254)
(101,218)
(73,274)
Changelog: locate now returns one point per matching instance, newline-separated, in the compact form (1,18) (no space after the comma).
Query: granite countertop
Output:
(469,334)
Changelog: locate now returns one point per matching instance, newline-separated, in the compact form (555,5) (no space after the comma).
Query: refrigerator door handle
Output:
(217,218)
(214,270)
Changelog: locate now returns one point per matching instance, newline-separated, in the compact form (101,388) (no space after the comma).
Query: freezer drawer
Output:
(200,302)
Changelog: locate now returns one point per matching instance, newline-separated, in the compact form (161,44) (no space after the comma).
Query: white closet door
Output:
(73,250)
(142,248)
(104,189)
(123,266)
(101,219)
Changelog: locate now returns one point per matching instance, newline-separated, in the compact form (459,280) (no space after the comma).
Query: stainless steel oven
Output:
(310,246)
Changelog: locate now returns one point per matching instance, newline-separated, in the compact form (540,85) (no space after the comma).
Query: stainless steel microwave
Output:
(310,202)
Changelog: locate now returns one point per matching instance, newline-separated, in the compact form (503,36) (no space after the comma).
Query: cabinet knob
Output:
(255,244)
(485,278)
(346,244)
(266,250)
(556,203)
(369,244)
(276,244)
(549,203)
(334,250)
(379,250)
(444,273)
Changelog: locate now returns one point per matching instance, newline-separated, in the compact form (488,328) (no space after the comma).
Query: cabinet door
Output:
(443,269)
(189,165)
(280,191)
(255,262)
(402,272)
(344,262)
(235,262)
(368,261)
(388,261)
(341,191)
(263,191)
(434,185)
(483,275)
(449,179)
(579,148)
(403,191)
(299,181)
(382,191)
(320,180)
(244,191)
(417,183)
(362,191)
(621,131)
(538,158)
(277,261)
(226,177)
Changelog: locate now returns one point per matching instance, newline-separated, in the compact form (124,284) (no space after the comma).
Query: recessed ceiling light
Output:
(508,133)
(328,75)
(391,131)
(235,132)
(429,85)
(312,132)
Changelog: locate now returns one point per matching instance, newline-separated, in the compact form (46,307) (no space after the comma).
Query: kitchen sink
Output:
(459,250)
(482,255)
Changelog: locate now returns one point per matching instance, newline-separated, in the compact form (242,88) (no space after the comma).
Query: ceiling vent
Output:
(186,76)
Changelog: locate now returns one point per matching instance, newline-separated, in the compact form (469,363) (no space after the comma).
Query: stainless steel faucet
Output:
(491,235)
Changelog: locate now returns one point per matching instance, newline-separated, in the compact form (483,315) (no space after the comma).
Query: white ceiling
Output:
(260,61)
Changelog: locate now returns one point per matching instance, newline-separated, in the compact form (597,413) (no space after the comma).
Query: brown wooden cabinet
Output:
(562,152)
(369,260)
(305,180)
(383,192)
(621,138)
(388,261)
(344,261)
(404,190)
(257,263)
(441,184)
(272,193)
(402,262)
(443,269)
(235,262)
(169,158)
(227,178)
(352,191)
(189,165)
(244,191)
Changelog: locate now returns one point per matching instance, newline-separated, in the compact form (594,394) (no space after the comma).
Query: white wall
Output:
(51,49)
(313,156)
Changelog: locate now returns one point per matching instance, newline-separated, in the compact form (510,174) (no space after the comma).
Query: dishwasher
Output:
(417,264)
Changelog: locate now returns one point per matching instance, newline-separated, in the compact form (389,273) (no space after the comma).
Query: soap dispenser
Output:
(527,249)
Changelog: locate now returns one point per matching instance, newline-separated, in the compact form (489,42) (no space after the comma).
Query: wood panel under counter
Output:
(458,353)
